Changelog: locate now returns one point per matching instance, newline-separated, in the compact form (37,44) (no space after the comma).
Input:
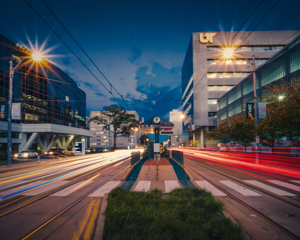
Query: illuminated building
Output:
(53,108)
(283,66)
(207,75)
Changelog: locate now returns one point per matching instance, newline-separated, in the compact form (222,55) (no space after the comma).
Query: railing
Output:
(135,157)
(178,156)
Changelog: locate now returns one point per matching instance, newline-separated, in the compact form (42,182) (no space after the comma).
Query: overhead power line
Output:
(241,43)
(84,51)
(71,51)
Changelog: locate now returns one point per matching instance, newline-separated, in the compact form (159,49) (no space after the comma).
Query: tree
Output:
(283,114)
(143,140)
(237,128)
(122,122)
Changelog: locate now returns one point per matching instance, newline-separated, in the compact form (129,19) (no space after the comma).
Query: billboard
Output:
(250,110)
(3,111)
(16,111)
(262,110)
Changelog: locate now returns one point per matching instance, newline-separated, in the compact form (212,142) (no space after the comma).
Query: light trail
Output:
(119,155)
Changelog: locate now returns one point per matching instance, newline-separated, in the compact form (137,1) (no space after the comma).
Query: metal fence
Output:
(135,157)
(178,156)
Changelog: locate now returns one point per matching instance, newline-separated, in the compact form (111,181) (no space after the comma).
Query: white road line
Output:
(210,188)
(45,188)
(9,191)
(239,188)
(296,181)
(284,184)
(270,189)
(143,186)
(71,189)
(106,188)
(170,185)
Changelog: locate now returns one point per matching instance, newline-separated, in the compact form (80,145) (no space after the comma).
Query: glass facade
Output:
(284,66)
(47,95)
(247,48)
(234,62)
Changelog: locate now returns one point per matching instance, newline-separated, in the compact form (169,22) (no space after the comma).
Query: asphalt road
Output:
(57,199)
(267,184)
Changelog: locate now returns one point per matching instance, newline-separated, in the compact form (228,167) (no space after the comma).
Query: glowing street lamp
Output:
(228,53)
(35,57)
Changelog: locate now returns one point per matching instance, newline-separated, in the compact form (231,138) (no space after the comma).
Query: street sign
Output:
(3,111)
(250,110)
(16,111)
(262,109)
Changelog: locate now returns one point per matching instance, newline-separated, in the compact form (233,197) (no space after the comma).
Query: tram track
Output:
(85,176)
(259,213)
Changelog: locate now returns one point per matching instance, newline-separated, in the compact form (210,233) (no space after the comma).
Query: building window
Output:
(246,48)
(219,88)
(235,62)
(67,98)
(212,101)
(212,114)
(228,75)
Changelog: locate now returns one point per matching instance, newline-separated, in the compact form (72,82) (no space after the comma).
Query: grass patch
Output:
(188,213)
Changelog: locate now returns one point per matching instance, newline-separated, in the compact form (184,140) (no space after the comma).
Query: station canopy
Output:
(150,125)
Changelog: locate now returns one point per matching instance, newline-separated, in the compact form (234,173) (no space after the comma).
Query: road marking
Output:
(287,185)
(270,189)
(143,186)
(239,188)
(9,191)
(106,188)
(296,181)
(45,188)
(91,225)
(70,189)
(210,188)
(170,185)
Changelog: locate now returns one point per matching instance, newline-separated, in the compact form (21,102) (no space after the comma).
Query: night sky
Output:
(138,45)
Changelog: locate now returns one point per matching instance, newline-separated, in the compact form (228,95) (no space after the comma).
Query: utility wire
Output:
(84,51)
(242,42)
(71,51)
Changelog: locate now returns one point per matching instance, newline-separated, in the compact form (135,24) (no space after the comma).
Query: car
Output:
(56,151)
(26,154)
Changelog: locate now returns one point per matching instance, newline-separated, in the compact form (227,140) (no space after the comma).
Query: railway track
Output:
(264,216)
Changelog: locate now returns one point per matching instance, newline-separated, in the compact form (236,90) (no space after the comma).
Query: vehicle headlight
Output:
(25,154)
(50,152)
(16,155)
(45,152)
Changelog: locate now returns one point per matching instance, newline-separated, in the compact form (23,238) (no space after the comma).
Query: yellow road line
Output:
(83,222)
(90,227)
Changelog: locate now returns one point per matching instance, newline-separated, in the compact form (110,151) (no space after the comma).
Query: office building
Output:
(207,76)
(53,108)
(284,66)
(103,139)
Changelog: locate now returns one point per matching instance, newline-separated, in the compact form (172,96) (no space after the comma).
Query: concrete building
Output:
(174,117)
(53,108)
(206,76)
(284,66)
(102,139)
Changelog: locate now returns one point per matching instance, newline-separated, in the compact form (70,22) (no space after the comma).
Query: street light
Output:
(228,53)
(35,57)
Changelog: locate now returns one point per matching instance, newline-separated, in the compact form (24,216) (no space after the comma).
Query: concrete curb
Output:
(185,170)
(100,222)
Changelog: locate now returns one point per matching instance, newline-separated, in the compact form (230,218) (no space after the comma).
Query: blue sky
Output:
(139,45)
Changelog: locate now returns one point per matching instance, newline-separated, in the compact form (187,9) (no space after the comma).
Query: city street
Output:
(261,193)
(64,196)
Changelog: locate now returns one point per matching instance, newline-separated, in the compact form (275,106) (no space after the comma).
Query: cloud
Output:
(136,53)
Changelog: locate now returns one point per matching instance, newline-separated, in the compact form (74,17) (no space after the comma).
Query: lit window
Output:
(67,99)
(212,101)
(219,88)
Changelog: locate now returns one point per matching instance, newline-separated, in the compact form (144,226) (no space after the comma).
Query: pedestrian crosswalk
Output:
(283,189)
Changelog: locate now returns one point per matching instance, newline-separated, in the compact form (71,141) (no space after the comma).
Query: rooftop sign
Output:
(207,37)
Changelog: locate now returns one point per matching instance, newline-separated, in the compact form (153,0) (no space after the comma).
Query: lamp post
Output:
(35,56)
(228,53)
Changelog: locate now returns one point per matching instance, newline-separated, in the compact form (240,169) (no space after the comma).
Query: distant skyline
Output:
(138,45)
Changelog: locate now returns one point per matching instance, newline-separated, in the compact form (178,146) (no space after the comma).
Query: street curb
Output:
(185,170)
(100,222)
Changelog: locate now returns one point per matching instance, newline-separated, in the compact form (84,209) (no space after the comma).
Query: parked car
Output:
(26,154)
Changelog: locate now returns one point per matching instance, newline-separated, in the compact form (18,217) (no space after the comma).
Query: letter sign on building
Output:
(207,37)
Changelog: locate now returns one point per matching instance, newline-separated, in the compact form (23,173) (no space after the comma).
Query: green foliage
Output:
(143,140)
(236,128)
(121,121)
(188,213)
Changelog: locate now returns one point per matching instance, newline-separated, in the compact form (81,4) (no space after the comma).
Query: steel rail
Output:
(275,224)
(101,168)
